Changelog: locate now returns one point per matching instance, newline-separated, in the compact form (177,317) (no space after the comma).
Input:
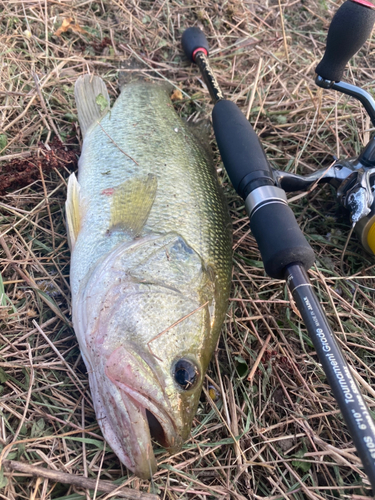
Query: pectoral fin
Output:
(92,100)
(72,209)
(131,204)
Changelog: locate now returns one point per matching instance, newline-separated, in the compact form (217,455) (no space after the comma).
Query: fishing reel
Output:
(354,179)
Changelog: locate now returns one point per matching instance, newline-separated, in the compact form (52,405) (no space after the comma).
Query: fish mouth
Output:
(161,427)
(150,425)
(156,430)
(134,412)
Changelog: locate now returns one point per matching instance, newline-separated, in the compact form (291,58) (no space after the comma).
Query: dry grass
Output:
(279,436)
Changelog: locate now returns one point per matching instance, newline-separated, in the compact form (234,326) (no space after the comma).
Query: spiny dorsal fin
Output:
(92,100)
(132,202)
(72,209)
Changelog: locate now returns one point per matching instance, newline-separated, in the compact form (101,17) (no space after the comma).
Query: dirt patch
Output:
(21,172)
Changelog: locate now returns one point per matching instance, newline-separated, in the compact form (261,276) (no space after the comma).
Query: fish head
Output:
(148,323)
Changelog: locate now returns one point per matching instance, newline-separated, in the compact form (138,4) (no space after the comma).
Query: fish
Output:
(150,237)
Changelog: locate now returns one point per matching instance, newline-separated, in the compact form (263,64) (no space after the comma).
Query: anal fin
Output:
(72,209)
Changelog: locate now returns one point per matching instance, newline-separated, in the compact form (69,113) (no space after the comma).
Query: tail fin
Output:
(92,100)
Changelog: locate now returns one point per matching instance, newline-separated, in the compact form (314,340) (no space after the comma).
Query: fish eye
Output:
(185,373)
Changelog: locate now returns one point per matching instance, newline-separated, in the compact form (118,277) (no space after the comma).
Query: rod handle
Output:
(280,239)
(350,27)
(194,40)
(240,149)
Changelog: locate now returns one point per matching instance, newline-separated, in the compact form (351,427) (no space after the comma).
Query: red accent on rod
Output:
(200,49)
(365,3)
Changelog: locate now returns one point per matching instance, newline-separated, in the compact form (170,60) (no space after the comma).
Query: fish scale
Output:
(151,265)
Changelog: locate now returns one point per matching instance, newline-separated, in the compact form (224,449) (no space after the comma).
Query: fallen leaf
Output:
(176,95)
(64,27)
(67,24)
(102,102)
(77,28)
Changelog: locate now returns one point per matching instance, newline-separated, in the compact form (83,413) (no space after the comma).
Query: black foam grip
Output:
(239,146)
(349,29)
(280,240)
(193,39)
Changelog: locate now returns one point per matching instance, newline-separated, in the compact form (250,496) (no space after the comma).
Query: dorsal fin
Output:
(72,210)
(92,100)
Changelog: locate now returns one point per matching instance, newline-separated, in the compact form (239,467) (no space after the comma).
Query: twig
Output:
(44,106)
(284,34)
(255,85)
(257,361)
(53,347)
(80,481)
(31,282)
(172,326)
(117,146)
(28,397)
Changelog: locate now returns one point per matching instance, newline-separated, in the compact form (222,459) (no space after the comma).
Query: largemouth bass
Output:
(150,270)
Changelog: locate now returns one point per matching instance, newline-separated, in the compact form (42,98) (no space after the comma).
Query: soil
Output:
(21,172)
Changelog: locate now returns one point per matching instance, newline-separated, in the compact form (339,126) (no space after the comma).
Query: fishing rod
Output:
(285,251)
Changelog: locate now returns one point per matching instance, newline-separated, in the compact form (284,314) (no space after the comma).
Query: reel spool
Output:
(365,230)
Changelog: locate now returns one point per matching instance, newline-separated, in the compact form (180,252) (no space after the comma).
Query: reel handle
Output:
(350,28)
